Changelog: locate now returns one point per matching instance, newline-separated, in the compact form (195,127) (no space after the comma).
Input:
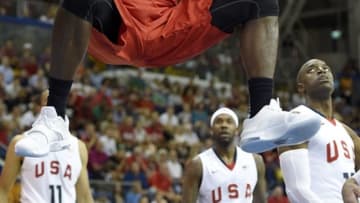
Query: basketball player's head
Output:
(224,125)
(315,80)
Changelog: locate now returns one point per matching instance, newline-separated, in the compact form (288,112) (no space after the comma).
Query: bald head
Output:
(315,80)
(306,66)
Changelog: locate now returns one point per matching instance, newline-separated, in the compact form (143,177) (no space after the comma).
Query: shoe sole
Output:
(298,133)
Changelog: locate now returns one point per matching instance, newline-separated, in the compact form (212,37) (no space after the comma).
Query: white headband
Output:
(227,111)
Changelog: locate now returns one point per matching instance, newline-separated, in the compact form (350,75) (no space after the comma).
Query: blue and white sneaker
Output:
(49,133)
(272,127)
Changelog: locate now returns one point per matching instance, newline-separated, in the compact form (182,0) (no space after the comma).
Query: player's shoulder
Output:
(258,159)
(194,165)
(205,152)
(350,131)
(82,151)
(82,146)
(76,141)
(16,138)
(347,128)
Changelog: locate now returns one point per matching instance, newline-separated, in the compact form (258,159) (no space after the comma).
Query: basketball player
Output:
(55,178)
(224,173)
(165,32)
(315,171)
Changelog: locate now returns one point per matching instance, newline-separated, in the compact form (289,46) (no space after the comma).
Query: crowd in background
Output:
(139,132)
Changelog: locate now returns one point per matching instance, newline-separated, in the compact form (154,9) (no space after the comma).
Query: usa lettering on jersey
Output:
(332,150)
(232,191)
(54,167)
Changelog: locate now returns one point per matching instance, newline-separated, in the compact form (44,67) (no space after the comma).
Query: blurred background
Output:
(141,125)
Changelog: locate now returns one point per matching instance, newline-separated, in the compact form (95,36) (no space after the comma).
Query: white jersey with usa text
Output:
(51,179)
(332,160)
(220,184)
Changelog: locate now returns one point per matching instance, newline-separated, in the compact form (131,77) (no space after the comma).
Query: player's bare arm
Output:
(351,190)
(356,141)
(192,180)
(260,189)
(10,171)
(83,192)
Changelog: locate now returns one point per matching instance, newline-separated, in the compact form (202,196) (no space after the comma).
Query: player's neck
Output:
(324,107)
(227,154)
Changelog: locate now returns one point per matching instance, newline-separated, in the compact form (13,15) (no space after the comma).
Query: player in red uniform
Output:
(164,32)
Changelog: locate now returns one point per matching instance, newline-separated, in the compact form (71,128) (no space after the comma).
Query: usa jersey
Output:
(220,184)
(51,179)
(332,160)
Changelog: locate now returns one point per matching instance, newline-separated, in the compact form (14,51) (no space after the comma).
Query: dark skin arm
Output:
(351,190)
(192,180)
(356,141)
(260,189)
(83,191)
(10,171)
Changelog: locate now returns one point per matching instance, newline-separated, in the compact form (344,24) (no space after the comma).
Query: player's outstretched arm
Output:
(83,192)
(294,163)
(192,181)
(10,170)
(260,189)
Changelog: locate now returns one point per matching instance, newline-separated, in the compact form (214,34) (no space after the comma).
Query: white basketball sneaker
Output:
(49,133)
(272,127)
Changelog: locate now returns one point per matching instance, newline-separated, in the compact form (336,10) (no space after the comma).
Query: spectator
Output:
(89,135)
(185,115)
(6,70)
(155,129)
(29,117)
(135,174)
(127,130)
(161,179)
(109,138)
(135,194)
(174,166)
(98,161)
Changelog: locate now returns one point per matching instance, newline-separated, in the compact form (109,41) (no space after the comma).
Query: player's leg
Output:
(259,46)
(268,126)
(70,39)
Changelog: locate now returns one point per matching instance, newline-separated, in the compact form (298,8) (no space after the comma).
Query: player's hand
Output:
(350,191)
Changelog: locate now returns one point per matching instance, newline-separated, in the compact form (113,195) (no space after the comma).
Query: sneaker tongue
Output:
(275,104)
(49,111)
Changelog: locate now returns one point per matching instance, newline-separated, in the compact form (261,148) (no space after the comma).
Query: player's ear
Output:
(211,132)
(300,88)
